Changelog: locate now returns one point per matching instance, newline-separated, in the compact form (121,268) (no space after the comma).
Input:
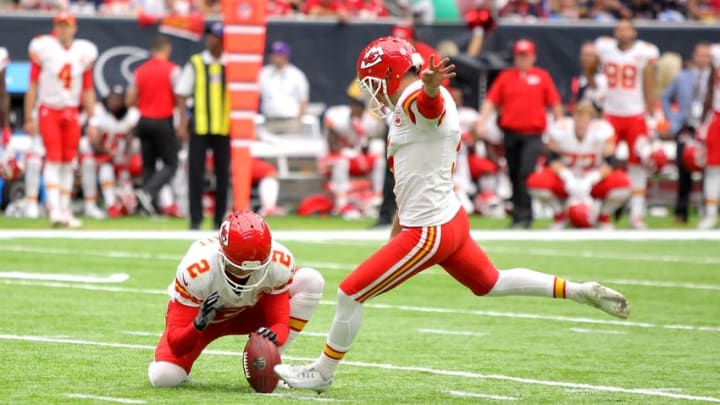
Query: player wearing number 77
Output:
(237,283)
(60,79)
(430,227)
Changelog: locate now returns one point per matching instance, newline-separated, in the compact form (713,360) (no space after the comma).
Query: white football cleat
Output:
(303,377)
(32,210)
(57,219)
(638,223)
(708,222)
(93,211)
(72,222)
(604,298)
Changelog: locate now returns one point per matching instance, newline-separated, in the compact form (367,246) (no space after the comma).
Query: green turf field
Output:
(430,341)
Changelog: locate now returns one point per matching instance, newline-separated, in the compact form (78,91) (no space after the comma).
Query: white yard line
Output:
(452,332)
(598,331)
(74,278)
(409,308)
(664,284)
(374,235)
(299,397)
(427,370)
(464,394)
(586,254)
(107,399)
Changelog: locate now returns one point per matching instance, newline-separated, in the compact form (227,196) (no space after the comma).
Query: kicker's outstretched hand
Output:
(435,74)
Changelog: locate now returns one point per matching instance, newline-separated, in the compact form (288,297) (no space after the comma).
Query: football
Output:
(259,358)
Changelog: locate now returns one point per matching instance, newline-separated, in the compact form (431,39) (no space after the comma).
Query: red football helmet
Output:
(10,168)
(380,68)
(245,247)
(694,156)
(580,214)
(658,158)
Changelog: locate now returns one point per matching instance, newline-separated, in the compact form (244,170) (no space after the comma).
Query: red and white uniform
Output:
(624,104)
(423,143)
(712,137)
(199,274)
(62,74)
(580,157)
(354,134)
(114,134)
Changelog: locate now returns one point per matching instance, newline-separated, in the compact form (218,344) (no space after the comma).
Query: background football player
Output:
(108,153)
(60,79)
(581,168)
(239,282)
(711,179)
(629,65)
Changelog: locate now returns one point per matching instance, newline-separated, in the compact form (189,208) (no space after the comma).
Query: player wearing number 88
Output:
(60,79)
(629,66)
(232,284)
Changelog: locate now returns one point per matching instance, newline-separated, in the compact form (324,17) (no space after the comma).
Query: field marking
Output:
(464,394)
(376,235)
(598,331)
(665,284)
(107,399)
(586,254)
(74,278)
(428,370)
(409,308)
(452,332)
(299,397)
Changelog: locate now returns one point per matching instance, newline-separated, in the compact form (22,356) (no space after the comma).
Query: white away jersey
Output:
(715,53)
(200,273)
(581,156)
(113,131)
(355,131)
(624,72)
(422,154)
(4,58)
(61,69)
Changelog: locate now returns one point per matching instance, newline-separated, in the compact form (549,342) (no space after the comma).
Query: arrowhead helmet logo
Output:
(225,233)
(372,57)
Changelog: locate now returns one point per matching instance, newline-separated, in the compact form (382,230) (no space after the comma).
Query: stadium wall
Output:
(327,51)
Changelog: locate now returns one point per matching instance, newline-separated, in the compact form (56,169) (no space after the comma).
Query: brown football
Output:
(259,358)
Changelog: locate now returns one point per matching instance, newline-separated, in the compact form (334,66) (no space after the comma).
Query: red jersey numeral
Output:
(281,257)
(65,76)
(198,268)
(623,76)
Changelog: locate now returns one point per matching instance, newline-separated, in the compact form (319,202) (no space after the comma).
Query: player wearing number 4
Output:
(60,80)
(629,66)
(430,227)
(237,283)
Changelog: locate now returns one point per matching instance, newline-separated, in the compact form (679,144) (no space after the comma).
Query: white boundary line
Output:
(375,235)
(107,399)
(428,370)
(299,397)
(410,308)
(75,278)
(452,332)
(464,394)
(598,331)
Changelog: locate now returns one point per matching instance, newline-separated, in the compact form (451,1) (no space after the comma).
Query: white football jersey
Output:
(355,132)
(715,53)
(61,69)
(114,132)
(200,274)
(422,156)
(468,118)
(4,58)
(581,156)
(624,72)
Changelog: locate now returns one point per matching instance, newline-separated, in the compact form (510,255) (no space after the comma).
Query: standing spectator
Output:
(564,10)
(704,10)
(152,92)
(367,9)
(325,8)
(284,92)
(591,84)
(60,79)
(711,178)
(687,90)
(521,95)
(609,10)
(203,78)
(629,65)
(523,9)
(407,32)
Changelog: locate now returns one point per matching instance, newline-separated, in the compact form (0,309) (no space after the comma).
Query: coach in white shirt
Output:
(284,92)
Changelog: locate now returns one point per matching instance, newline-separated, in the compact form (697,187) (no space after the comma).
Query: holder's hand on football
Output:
(208,310)
(268,334)
(434,75)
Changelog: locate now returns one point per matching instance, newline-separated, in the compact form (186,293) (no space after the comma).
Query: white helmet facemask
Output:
(379,103)
(258,272)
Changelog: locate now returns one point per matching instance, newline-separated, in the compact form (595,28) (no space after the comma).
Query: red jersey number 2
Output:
(65,76)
